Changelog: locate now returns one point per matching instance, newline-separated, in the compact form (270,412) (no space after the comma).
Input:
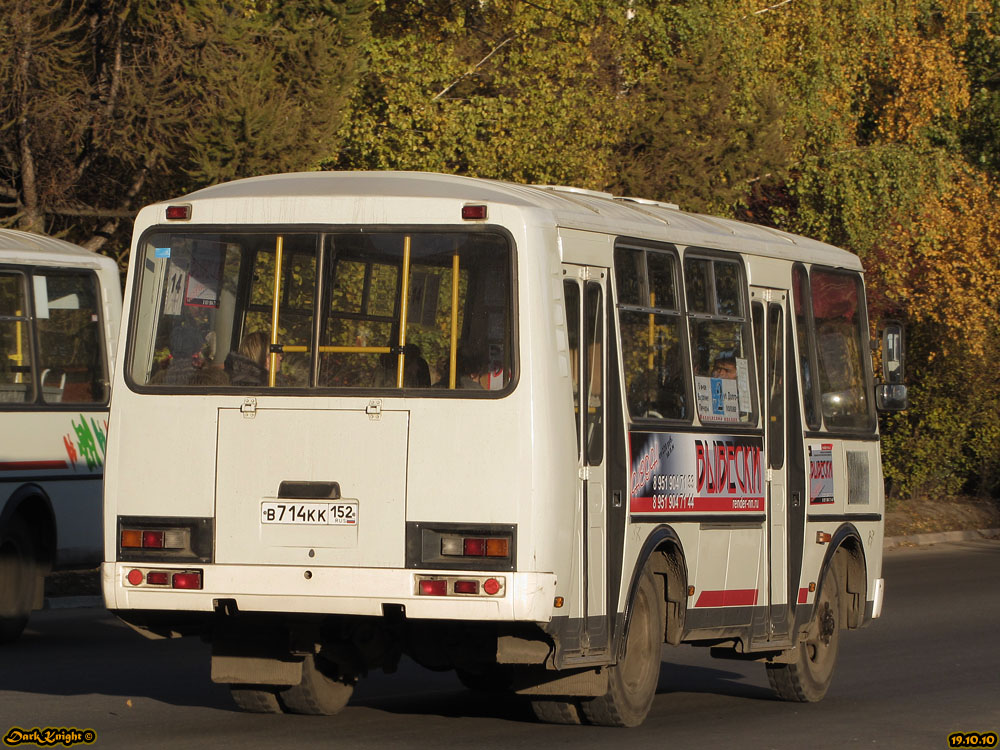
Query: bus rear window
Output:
(344,310)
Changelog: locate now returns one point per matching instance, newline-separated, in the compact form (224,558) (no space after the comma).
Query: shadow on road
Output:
(74,652)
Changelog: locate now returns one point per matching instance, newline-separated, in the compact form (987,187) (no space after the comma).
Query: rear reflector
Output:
(491,586)
(466,587)
(135,577)
(158,578)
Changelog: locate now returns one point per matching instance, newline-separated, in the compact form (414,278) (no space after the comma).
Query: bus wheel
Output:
(632,681)
(321,692)
(258,699)
(556,711)
(17,579)
(807,678)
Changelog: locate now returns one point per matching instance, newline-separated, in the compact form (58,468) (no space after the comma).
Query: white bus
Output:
(527,433)
(60,307)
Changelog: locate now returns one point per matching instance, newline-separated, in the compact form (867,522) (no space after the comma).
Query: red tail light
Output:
(190,580)
(474,547)
(179,213)
(434,588)
(152,539)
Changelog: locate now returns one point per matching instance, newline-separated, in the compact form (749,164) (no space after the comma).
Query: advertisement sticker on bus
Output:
(685,473)
(821,474)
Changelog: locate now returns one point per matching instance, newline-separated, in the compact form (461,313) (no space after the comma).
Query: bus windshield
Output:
(347,309)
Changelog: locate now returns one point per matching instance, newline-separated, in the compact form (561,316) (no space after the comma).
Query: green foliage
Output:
(870,124)
(108,105)
(688,144)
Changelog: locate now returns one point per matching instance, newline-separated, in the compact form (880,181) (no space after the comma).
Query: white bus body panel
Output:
(58,451)
(421,460)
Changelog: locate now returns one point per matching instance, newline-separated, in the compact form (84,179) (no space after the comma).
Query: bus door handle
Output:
(796,499)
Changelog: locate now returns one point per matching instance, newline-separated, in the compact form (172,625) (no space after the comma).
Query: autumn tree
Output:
(110,104)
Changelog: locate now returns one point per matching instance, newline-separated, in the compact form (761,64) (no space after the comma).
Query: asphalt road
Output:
(929,667)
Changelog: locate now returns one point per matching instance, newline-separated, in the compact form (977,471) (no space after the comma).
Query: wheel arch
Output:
(847,553)
(664,551)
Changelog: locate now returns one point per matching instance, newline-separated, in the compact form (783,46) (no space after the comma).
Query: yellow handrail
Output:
(453,355)
(19,355)
(300,349)
(403,311)
(272,373)
(652,331)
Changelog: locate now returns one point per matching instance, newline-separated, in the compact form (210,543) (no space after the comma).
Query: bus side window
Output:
(720,347)
(16,380)
(803,332)
(571,294)
(652,336)
(594,361)
(69,338)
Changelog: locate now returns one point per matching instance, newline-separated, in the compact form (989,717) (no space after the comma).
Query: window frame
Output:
(671,250)
(38,403)
(747,334)
(822,428)
(321,296)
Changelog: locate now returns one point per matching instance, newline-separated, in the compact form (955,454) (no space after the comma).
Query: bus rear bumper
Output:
(524,596)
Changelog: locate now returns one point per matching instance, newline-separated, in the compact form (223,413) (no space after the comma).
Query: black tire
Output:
(322,692)
(257,699)
(807,679)
(18,579)
(553,711)
(632,681)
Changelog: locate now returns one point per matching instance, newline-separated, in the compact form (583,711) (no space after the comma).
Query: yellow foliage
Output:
(943,268)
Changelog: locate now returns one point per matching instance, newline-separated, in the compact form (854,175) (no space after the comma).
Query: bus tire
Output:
(807,678)
(257,699)
(632,681)
(18,578)
(321,692)
(553,711)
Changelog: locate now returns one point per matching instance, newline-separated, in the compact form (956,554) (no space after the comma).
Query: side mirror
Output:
(891,397)
(890,394)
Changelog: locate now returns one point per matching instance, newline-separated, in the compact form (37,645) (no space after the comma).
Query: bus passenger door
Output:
(769,314)
(584,290)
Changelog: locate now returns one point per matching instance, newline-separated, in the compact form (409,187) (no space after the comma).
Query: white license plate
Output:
(309,513)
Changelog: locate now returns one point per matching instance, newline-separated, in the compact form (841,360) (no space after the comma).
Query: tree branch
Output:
(473,69)
(768,9)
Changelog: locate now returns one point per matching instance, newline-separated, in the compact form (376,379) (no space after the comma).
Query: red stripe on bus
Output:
(29,465)
(803,595)
(727,598)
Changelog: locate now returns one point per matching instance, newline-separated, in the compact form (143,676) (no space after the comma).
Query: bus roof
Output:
(310,197)
(36,249)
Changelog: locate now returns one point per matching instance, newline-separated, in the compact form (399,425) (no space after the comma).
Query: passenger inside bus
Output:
(725,366)
(416,371)
(251,363)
